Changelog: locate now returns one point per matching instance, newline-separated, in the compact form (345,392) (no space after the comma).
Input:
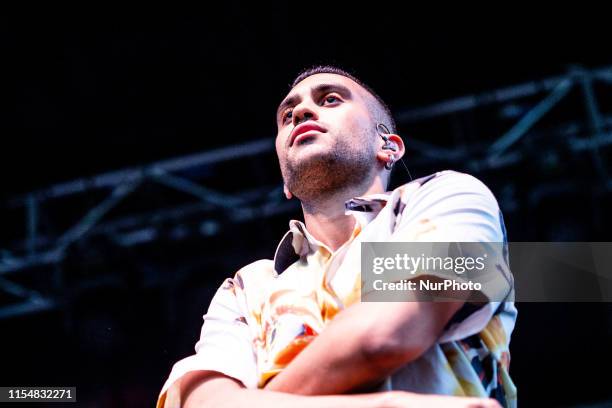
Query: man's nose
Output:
(303,113)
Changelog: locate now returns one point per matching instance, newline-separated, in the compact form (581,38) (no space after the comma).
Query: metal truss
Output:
(497,154)
(37,250)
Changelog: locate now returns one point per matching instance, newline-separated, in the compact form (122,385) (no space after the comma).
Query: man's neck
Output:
(326,219)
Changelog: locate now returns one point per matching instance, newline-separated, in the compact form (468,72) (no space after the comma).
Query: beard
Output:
(341,167)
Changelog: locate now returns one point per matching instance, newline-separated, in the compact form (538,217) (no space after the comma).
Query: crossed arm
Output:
(212,389)
(363,345)
(358,349)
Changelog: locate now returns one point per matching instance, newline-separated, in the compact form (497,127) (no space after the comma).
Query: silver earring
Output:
(389,164)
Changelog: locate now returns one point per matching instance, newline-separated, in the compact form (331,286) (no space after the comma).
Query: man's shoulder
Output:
(257,266)
(252,273)
(444,182)
(443,176)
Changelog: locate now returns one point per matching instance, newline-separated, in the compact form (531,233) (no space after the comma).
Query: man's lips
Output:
(303,128)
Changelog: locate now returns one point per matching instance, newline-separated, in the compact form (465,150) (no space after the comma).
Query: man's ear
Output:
(397,141)
(396,148)
(287,192)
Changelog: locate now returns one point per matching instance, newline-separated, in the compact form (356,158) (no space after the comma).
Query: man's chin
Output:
(308,152)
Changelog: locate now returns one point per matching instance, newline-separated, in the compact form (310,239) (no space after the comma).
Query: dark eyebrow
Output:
(317,90)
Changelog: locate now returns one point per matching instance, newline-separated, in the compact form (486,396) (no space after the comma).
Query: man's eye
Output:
(286,115)
(331,99)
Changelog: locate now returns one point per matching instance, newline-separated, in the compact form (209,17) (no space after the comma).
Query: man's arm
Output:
(363,345)
(203,389)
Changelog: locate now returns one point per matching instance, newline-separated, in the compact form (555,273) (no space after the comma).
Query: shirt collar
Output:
(298,242)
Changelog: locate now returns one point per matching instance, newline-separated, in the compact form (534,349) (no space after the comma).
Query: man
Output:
(293,331)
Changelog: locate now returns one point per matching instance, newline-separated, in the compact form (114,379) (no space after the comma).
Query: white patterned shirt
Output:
(260,319)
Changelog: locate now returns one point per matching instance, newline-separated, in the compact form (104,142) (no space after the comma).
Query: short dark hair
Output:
(329,69)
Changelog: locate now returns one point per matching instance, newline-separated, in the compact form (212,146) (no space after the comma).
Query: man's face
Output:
(326,136)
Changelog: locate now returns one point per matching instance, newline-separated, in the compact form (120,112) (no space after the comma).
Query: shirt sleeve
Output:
(457,207)
(225,346)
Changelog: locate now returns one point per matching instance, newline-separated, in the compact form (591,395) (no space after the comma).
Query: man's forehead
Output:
(328,78)
(325,78)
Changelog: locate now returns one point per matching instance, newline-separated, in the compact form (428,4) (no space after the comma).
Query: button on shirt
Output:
(260,319)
